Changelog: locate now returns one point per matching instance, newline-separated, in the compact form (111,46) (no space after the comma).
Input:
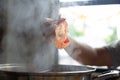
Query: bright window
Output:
(95,25)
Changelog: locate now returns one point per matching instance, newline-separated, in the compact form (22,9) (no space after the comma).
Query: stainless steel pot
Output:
(31,72)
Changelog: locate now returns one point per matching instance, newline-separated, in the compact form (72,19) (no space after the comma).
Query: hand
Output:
(48,28)
(61,32)
(57,30)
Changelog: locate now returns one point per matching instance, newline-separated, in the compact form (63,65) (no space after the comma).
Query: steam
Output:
(24,41)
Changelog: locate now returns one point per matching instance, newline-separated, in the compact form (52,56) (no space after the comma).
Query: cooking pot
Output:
(31,72)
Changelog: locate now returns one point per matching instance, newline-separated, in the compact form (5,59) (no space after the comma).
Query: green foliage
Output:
(112,36)
(74,33)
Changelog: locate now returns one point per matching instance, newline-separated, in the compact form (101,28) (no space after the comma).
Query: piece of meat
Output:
(61,31)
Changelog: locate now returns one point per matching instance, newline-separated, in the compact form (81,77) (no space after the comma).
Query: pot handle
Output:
(108,75)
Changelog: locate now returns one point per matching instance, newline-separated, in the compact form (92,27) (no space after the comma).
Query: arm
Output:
(84,53)
(88,55)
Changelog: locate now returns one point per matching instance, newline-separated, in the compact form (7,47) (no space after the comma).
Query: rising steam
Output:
(24,41)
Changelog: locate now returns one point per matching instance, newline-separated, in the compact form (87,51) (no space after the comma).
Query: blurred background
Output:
(94,22)
(23,38)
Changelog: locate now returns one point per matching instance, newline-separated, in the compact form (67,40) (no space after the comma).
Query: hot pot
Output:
(56,72)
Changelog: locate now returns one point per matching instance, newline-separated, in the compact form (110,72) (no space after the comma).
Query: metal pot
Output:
(31,72)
